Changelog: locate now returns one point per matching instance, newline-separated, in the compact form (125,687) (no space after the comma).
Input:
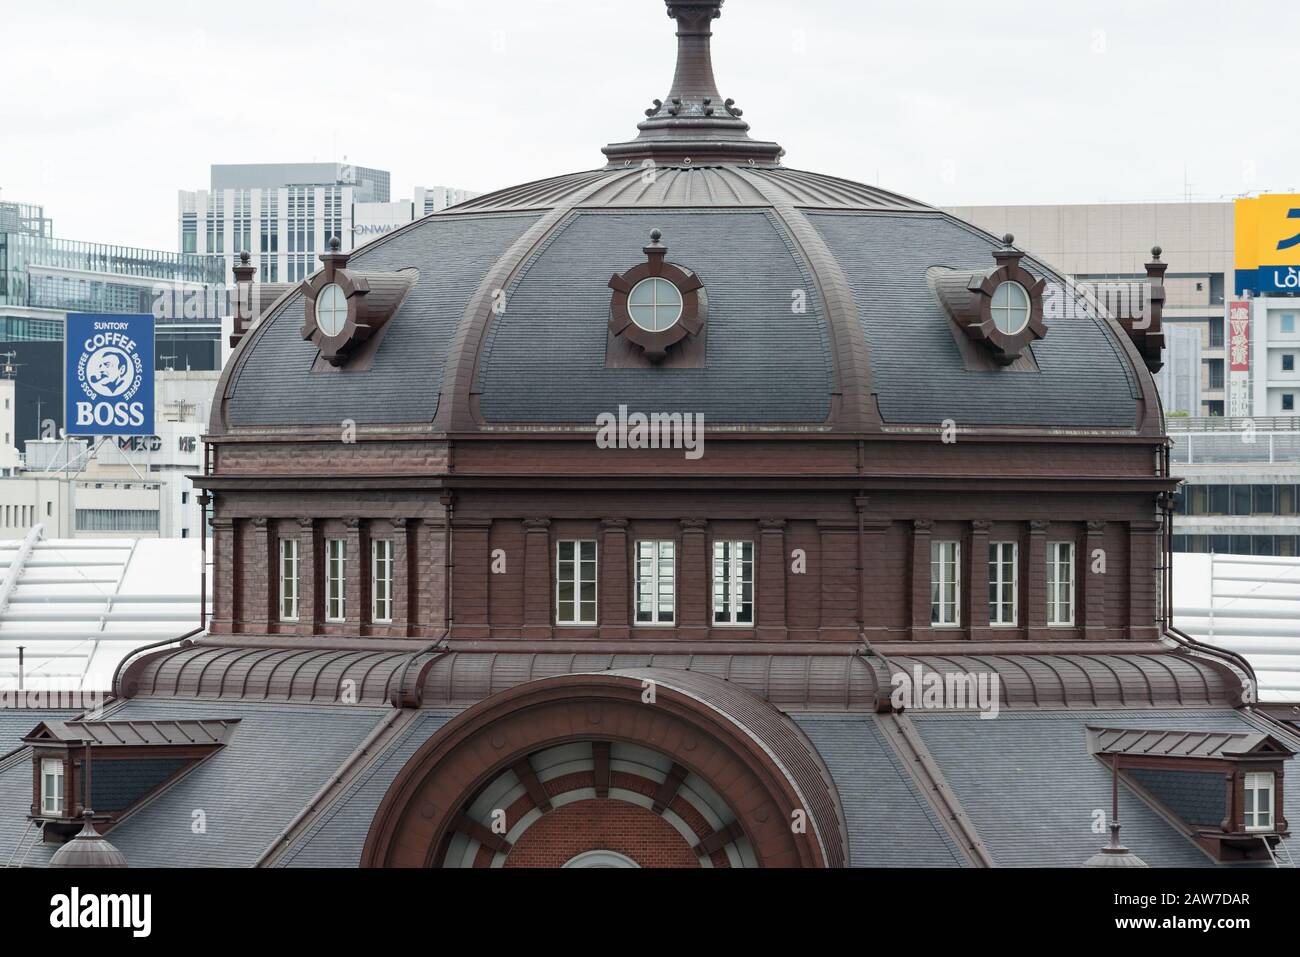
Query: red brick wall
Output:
(627,829)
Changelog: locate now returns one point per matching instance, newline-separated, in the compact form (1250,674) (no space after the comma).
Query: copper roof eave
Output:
(827,677)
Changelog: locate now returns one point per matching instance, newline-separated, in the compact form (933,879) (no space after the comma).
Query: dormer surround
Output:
(1001,309)
(343,308)
(657,304)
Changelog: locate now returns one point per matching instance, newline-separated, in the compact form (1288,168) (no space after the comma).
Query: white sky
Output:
(110,108)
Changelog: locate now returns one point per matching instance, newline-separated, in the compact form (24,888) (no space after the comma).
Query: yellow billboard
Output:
(1268,244)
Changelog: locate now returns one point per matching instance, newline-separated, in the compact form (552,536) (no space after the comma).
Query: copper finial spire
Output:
(695,124)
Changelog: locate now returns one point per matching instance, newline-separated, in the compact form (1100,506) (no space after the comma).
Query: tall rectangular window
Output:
(381,580)
(945,584)
(575,583)
(336,582)
(1060,583)
(1002,583)
(656,579)
(52,787)
(733,583)
(1259,801)
(289,579)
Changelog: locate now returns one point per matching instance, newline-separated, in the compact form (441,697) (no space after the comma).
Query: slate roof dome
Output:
(820,310)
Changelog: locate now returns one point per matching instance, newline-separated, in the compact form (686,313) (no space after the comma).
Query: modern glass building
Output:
(42,279)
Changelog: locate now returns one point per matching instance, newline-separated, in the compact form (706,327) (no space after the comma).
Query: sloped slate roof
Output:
(1030,785)
(745,232)
(248,792)
(544,360)
(15,805)
(273,383)
(917,370)
(889,823)
(336,836)
(17,723)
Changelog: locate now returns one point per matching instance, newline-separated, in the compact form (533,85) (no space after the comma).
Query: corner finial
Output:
(1155,253)
(656,247)
(1009,241)
(335,244)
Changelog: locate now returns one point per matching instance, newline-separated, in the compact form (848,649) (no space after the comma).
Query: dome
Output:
(823,305)
(89,849)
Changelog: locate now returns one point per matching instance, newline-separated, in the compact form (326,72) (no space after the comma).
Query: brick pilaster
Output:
(539,587)
(694,580)
(771,580)
(612,595)
(922,531)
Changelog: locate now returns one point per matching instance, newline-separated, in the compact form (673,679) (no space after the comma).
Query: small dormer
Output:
(110,766)
(1223,789)
(1001,308)
(344,309)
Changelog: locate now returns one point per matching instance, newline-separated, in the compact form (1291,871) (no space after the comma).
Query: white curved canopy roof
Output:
(77,607)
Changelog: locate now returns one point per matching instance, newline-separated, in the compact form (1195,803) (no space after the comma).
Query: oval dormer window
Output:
(1010,308)
(655,304)
(332,309)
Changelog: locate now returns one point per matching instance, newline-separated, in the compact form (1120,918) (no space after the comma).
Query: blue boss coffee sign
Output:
(109,375)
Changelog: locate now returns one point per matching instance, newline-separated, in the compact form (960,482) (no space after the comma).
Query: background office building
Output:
(1275,365)
(43,278)
(285,213)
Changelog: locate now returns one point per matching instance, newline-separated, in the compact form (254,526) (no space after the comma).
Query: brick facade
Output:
(834,558)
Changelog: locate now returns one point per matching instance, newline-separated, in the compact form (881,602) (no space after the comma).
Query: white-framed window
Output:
(1003,584)
(655,304)
(945,584)
(52,787)
(575,583)
(733,583)
(381,580)
(1010,307)
(332,309)
(336,579)
(289,579)
(656,583)
(1060,583)
(1259,801)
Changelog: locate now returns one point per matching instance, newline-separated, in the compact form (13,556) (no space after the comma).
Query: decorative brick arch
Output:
(756,760)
